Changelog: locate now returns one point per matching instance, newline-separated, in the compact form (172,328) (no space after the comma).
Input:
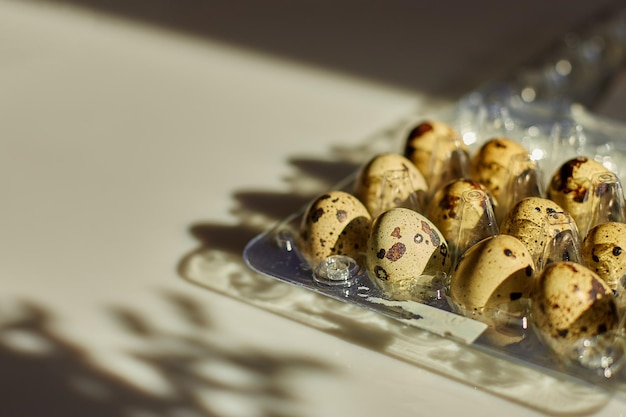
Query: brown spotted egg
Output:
(334,223)
(445,209)
(490,165)
(389,180)
(570,188)
(492,273)
(528,221)
(428,135)
(571,302)
(604,252)
(403,244)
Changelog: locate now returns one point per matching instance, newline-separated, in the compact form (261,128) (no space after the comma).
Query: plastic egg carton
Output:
(540,107)
(544,130)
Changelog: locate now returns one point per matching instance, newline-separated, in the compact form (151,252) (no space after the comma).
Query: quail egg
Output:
(389,180)
(446,210)
(493,272)
(490,165)
(570,185)
(571,302)
(528,221)
(604,252)
(334,223)
(402,246)
(431,136)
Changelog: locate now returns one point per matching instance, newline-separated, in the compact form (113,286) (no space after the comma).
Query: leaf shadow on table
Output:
(45,374)
(221,247)
(257,210)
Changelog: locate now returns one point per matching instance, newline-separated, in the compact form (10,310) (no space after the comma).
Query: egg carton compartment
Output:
(553,131)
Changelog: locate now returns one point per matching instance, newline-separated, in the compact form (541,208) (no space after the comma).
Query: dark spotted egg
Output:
(493,272)
(570,188)
(425,138)
(571,302)
(402,246)
(604,252)
(490,165)
(528,221)
(334,223)
(445,209)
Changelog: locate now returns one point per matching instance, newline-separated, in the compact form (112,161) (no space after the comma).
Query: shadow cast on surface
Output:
(415,46)
(257,211)
(43,373)
(271,206)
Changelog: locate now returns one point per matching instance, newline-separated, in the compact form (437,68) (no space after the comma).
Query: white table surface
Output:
(122,143)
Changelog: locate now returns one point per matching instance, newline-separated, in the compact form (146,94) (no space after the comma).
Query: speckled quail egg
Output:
(446,206)
(427,137)
(493,272)
(389,180)
(334,223)
(404,244)
(604,252)
(528,221)
(571,302)
(570,185)
(490,165)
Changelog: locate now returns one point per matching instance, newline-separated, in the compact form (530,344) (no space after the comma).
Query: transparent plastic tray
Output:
(544,107)
(493,111)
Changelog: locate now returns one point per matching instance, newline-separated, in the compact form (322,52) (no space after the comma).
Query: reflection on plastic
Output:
(607,200)
(563,240)
(475,221)
(396,190)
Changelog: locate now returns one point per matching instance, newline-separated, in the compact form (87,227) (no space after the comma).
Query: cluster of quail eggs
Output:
(554,255)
